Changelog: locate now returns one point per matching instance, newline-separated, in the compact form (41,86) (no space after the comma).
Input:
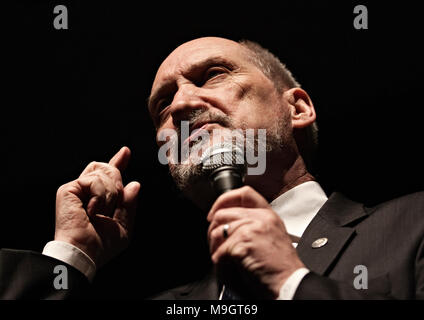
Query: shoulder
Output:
(409,204)
(404,214)
(406,211)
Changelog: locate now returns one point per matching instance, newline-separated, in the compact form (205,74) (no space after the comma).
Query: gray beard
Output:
(186,175)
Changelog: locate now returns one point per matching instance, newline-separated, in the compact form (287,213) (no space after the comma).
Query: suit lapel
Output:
(331,222)
(319,259)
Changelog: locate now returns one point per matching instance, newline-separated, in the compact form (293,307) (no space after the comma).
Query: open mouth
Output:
(198,128)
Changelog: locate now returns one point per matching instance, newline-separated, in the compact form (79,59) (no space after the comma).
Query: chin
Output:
(200,192)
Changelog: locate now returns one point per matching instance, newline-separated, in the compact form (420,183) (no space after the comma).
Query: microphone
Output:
(225,166)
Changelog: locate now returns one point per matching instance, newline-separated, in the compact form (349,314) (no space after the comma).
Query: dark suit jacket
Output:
(30,275)
(387,239)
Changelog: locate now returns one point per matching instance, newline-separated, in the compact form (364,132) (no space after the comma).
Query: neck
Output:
(280,178)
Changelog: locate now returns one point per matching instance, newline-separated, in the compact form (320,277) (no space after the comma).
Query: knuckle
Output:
(114,174)
(219,215)
(214,235)
(114,171)
(260,226)
(96,178)
(92,165)
(271,218)
(215,259)
(240,250)
(212,227)
(61,190)
(246,190)
(119,187)
(245,234)
(64,189)
(245,195)
(98,167)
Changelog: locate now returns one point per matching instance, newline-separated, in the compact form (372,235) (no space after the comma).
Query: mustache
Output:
(196,116)
(207,116)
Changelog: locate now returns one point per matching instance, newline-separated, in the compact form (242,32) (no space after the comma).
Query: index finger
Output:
(121,158)
(245,197)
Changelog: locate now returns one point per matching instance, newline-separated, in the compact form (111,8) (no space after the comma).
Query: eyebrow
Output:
(167,85)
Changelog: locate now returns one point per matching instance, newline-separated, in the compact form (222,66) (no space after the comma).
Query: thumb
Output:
(125,213)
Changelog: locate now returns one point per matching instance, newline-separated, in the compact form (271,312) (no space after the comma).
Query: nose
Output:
(185,101)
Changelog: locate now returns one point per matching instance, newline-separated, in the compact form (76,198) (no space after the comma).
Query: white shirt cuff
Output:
(71,255)
(289,288)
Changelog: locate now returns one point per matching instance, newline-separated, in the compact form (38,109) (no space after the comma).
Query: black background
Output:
(77,95)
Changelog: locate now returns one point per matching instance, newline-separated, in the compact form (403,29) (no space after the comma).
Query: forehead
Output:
(196,52)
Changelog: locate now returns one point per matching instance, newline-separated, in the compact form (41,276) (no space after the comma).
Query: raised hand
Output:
(96,212)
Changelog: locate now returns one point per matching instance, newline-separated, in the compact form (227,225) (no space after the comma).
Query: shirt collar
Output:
(298,206)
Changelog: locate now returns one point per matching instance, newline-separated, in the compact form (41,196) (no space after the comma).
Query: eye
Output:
(213,72)
(162,104)
(160,111)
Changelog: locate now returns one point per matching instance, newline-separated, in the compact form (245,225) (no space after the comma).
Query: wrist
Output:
(71,255)
(285,276)
(288,289)
(91,251)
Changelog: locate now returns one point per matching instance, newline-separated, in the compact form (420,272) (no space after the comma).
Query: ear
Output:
(302,110)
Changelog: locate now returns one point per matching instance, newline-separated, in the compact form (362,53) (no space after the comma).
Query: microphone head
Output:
(223,155)
(225,166)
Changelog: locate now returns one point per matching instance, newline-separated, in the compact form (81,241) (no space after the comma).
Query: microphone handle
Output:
(226,178)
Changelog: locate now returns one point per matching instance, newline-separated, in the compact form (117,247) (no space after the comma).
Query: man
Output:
(253,230)
(279,237)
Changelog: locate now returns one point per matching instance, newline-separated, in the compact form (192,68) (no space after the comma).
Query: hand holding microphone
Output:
(248,242)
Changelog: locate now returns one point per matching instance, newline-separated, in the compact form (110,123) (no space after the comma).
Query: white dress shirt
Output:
(296,207)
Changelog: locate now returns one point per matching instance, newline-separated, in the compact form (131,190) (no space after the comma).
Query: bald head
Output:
(194,51)
(192,54)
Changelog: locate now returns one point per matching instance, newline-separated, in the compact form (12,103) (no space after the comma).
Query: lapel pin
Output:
(318,243)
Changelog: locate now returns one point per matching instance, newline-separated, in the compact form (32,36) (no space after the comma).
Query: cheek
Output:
(259,111)
(250,104)
(165,133)
(228,94)
(229,97)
